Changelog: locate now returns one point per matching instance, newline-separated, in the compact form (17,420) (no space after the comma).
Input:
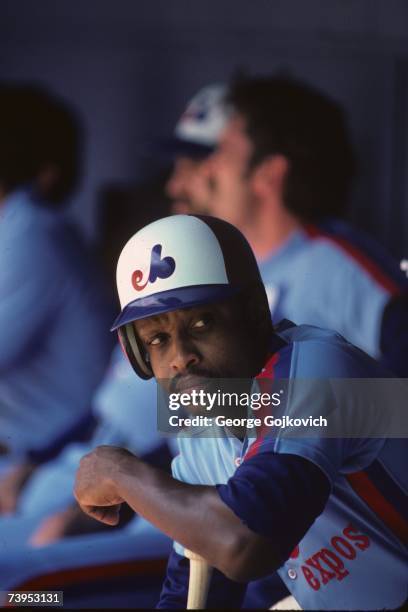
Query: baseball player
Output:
(327,513)
(53,345)
(282,173)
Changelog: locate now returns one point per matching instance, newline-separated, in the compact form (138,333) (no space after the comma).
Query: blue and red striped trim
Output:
(376,266)
(276,368)
(268,375)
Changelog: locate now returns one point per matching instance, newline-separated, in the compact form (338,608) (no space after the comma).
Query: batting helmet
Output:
(179,262)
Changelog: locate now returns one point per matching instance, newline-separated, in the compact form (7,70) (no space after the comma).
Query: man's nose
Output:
(184,355)
(208,165)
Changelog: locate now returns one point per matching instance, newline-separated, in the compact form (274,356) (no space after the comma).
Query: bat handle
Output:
(200,575)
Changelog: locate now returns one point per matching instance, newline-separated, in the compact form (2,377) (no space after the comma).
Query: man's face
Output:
(188,187)
(227,169)
(187,347)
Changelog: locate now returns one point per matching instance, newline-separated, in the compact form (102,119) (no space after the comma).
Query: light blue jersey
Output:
(54,318)
(333,277)
(353,556)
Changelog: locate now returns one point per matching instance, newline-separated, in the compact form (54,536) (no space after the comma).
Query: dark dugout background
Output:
(129,66)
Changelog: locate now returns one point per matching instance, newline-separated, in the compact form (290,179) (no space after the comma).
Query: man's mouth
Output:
(181,206)
(190,383)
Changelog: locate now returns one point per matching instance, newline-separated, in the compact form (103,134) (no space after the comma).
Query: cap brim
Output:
(173,299)
(174,147)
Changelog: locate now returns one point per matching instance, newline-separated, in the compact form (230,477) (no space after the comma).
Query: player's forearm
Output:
(193,515)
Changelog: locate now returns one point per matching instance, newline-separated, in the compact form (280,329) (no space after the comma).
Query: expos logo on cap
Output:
(159,268)
(199,107)
(205,117)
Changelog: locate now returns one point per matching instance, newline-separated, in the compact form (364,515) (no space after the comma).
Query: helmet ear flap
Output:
(256,310)
(134,351)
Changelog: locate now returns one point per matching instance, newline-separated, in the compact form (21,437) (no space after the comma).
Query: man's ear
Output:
(268,178)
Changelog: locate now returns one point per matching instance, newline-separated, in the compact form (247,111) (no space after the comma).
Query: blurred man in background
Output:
(54,312)
(282,173)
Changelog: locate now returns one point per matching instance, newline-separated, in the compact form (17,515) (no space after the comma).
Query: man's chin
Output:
(181,207)
(196,410)
(195,384)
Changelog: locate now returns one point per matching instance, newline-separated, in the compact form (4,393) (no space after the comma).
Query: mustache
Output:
(177,382)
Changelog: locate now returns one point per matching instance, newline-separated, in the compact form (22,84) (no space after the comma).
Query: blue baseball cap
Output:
(198,130)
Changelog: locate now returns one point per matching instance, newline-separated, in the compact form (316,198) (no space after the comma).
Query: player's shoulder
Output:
(24,235)
(317,352)
(352,251)
(18,214)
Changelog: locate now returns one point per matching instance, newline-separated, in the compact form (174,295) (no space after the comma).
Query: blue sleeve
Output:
(223,593)
(394,336)
(266,493)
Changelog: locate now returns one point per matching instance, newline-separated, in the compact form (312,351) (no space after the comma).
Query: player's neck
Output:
(270,230)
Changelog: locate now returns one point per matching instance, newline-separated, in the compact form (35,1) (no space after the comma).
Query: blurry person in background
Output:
(195,136)
(282,174)
(54,312)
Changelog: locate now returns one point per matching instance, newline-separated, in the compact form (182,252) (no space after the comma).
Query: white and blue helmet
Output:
(179,262)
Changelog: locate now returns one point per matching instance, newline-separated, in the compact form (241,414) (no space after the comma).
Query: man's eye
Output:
(156,340)
(202,322)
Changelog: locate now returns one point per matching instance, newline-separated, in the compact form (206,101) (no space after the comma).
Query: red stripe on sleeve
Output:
(264,379)
(362,485)
(355,253)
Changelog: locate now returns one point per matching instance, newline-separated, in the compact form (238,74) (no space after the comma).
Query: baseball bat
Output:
(199,581)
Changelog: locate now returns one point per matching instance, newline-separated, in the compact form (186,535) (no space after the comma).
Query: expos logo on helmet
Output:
(159,268)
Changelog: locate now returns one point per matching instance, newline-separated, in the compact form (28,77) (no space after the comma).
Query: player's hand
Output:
(11,483)
(95,488)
